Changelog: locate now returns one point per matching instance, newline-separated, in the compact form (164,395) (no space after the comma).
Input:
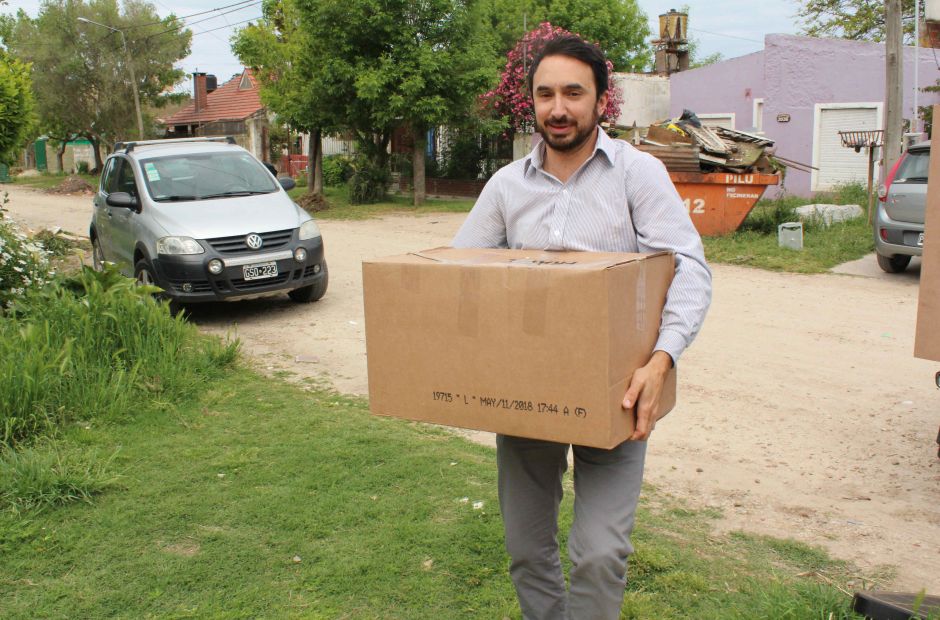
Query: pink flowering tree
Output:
(511,97)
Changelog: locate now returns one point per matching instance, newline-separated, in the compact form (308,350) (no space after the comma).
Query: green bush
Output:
(93,346)
(464,156)
(765,218)
(82,167)
(337,169)
(368,183)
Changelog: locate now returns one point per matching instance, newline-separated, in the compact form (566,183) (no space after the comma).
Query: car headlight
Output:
(178,245)
(309,230)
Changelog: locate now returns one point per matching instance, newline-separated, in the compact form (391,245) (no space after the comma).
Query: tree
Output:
(861,20)
(370,66)
(273,48)
(16,107)
(81,80)
(619,27)
(511,99)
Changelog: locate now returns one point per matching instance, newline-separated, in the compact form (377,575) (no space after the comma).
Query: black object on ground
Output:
(895,605)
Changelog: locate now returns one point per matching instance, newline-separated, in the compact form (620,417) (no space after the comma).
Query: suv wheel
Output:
(893,264)
(311,292)
(97,256)
(143,273)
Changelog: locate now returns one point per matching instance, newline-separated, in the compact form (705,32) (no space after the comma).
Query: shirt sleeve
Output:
(485,226)
(662,223)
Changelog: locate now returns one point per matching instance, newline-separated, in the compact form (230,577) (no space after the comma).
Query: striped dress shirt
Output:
(619,200)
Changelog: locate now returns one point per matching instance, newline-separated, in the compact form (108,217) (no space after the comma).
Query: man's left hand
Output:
(645,390)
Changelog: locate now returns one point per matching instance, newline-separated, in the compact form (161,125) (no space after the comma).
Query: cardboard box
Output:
(526,343)
(927,339)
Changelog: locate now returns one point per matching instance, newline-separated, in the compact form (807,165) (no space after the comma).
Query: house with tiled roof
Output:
(232,109)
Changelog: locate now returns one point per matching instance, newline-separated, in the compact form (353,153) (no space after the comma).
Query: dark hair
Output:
(575,47)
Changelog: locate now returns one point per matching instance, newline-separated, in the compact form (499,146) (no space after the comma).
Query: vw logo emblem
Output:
(254,241)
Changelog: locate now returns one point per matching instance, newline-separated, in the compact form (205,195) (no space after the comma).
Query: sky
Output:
(730,27)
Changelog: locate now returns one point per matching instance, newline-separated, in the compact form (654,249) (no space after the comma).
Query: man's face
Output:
(567,107)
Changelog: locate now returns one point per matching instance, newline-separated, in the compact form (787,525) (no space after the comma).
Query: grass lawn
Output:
(48,180)
(823,248)
(755,243)
(261,498)
(341,209)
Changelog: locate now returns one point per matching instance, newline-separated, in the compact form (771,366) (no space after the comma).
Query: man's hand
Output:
(645,390)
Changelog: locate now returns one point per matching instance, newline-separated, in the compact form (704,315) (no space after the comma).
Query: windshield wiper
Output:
(175,198)
(236,193)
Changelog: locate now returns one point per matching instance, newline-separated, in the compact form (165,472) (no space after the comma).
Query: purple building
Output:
(800,92)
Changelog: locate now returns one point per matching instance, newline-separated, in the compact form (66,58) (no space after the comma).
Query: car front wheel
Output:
(311,292)
(143,273)
(894,264)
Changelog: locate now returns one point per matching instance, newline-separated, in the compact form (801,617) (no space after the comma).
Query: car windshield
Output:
(204,176)
(914,168)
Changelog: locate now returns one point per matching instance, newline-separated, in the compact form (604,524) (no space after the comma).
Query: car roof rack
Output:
(127,147)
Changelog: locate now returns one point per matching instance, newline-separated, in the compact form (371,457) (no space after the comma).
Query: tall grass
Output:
(93,346)
(49,475)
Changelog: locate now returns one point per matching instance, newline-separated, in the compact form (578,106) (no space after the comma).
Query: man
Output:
(581,190)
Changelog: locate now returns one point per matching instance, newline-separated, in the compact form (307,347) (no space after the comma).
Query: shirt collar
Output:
(604,144)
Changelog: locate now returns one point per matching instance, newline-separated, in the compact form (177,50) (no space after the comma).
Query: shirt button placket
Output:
(560,217)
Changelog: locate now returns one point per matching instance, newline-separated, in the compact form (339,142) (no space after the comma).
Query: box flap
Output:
(518,258)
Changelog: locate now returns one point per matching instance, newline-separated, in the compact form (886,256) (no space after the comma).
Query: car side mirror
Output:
(122,200)
(287,183)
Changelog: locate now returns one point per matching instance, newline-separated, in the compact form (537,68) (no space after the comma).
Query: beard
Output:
(568,143)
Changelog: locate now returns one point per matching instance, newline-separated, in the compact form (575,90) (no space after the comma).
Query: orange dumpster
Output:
(718,202)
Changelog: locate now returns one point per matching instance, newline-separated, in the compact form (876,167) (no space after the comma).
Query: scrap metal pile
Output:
(686,145)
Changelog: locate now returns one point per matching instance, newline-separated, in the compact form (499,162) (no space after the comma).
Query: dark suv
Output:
(899,224)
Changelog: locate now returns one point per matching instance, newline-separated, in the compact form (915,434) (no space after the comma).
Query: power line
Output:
(229,25)
(199,21)
(721,34)
(227,6)
(216,37)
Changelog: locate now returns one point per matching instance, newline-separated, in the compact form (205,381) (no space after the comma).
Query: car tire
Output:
(893,264)
(143,273)
(311,292)
(97,256)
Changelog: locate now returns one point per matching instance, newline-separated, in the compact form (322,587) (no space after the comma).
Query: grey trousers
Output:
(606,490)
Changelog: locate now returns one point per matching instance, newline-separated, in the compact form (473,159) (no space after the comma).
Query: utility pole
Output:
(893,84)
(130,68)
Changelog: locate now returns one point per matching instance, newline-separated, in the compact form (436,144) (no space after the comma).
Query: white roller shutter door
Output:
(837,164)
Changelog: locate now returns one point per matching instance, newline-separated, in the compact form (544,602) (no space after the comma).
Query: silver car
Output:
(899,224)
(204,220)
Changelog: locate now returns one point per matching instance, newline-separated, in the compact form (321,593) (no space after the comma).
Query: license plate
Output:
(259,271)
(920,239)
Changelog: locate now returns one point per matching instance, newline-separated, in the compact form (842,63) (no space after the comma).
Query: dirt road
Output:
(802,412)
